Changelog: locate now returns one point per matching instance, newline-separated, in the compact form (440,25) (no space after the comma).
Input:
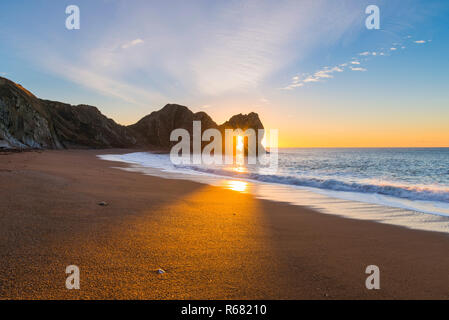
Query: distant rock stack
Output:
(27,122)
(155,128)
(244,122)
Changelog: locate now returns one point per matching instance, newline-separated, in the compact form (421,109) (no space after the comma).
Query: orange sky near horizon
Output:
(375,130)
(314,127)
(345,136)
(429,141)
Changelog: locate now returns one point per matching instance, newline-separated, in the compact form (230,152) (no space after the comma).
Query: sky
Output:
(310,69)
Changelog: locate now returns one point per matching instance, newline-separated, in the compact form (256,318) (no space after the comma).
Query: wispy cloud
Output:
(195,50)
(102,83)
(133,43)
(201,52)
(241,57)
(294,85)
(358,69)
(320,75)
(354,65)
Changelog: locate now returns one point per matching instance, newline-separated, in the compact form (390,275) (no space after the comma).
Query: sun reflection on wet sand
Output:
(237,185)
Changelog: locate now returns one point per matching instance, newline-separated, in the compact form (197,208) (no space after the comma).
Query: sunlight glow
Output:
(239,143)
(240,169)
(236,185)
(263,142)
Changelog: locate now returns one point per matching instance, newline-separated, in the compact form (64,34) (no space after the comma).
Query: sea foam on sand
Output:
(415,214)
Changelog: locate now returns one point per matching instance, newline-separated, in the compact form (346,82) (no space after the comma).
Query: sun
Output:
(239,143)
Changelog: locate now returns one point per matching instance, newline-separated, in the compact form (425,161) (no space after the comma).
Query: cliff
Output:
(27,122)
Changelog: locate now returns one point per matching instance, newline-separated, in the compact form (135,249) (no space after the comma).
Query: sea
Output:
(401,186)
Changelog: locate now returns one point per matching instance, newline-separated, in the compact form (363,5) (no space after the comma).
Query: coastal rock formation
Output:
(84,126)
(243,121)
(27,122)
(24,120)
(155,128)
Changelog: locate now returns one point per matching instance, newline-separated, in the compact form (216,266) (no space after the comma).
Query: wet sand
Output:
(213,243)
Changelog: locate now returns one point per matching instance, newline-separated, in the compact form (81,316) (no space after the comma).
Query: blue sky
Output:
(309,68)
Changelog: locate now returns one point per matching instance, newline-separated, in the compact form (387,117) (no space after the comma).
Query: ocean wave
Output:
(423,193)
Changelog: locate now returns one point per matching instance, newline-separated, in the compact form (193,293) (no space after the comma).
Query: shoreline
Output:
(213,243)
(386,209)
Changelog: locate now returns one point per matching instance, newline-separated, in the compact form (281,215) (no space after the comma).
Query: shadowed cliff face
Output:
(155,128)
(24,121)
(243,121)
(29,122)
(85,127)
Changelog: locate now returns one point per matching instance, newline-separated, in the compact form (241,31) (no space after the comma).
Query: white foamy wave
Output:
(406,192)
(422,207)
(162,161)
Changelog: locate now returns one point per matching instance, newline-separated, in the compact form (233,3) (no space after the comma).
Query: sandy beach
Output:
(213,243)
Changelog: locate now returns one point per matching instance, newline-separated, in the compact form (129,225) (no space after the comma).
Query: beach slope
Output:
(212,243)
